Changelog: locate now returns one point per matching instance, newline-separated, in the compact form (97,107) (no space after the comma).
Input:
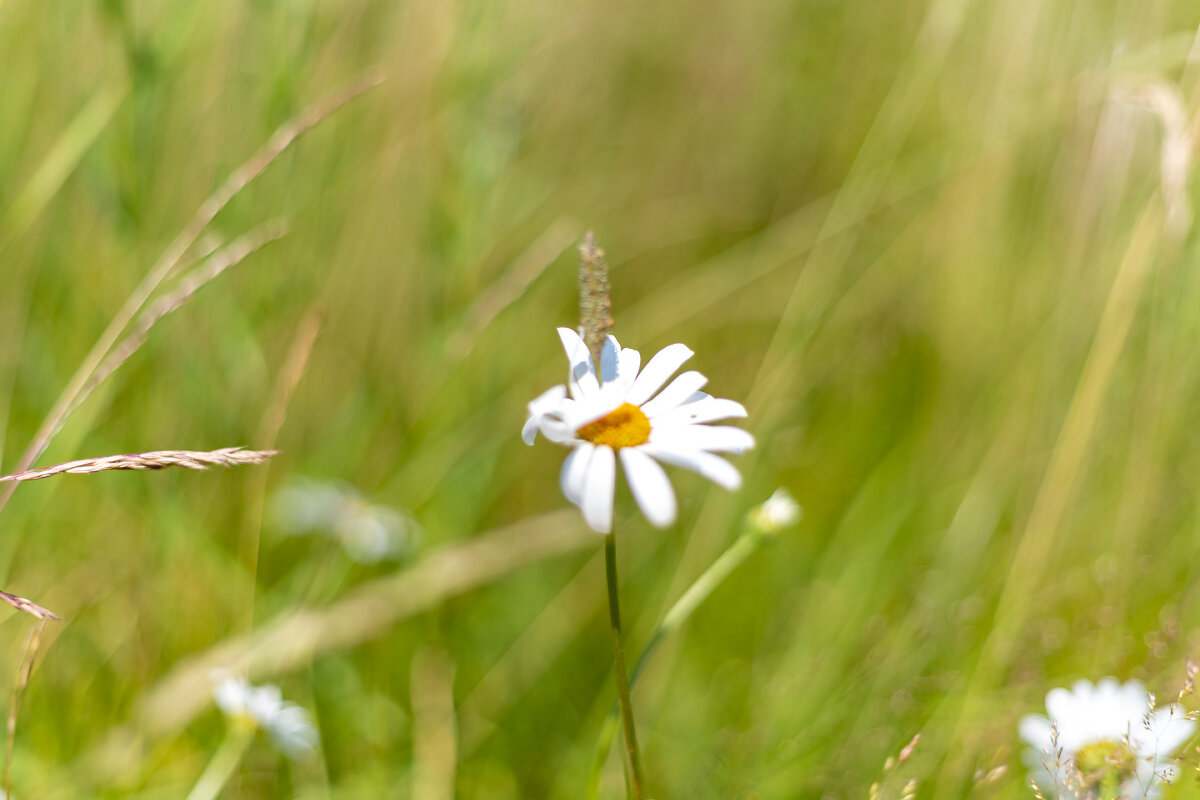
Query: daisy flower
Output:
(289,725)
(1109,740)
(625,417)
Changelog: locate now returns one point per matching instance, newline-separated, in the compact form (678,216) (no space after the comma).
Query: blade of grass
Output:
(279,142)
(61,161)
(36,194)
(212,267)
(1038,539)
(435,736)
(295,365)
(364,613)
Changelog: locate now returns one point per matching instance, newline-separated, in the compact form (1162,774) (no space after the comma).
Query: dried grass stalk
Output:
(169,261)
(595,303)
(191,283)
(28,606)
(434,725)
(24,671)
(365,613)
(158,459)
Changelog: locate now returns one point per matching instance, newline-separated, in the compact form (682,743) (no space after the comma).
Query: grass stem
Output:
(737,553)
(614,615)
(27,656)
(220,769)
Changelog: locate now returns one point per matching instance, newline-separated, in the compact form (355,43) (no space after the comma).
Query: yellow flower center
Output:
(1105,764)
(625,426)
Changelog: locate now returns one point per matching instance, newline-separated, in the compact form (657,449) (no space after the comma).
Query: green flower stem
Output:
(698,592)
(742,548)
(614,615)
(224,762)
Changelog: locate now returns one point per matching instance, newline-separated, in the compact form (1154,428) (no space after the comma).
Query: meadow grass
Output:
(927,244)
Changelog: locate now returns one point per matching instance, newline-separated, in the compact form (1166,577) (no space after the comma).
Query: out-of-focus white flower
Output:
(627,417)
(1108,740)
(263,707)
(777,512)
(369,533)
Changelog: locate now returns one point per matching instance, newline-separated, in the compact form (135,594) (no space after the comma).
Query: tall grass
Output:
(923,241)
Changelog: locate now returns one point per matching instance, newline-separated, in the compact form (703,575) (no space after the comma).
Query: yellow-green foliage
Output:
(923,242)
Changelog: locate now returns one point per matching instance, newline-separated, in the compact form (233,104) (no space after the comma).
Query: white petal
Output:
(546,414)
(574,470)
(650,486)
(598,488)
(676,394)
(264,702)
(583,374)
(231,694)
(593,407)
(1035,729)
(548,398)
(704,409)
(1060,704)
(1169,731)
(529,431)
(661,367)
(715,438)
(609,357)
(549,402)
(715,468)
(627,368)
(293,731)
(554,430)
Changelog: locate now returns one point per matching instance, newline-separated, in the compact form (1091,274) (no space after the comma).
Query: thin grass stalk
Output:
(294,366)
(623,695)
(366,612)
(221,768)
(29,202)
(679,613)
(61,160)
(520,275)
(1036,545)
(215,264)
(28,654)
(84,381)
(283,137)
(434,726)
(595,316)
(154,460)
(28,606)
(595,303)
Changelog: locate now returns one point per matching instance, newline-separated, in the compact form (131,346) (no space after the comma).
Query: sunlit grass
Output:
(922,242)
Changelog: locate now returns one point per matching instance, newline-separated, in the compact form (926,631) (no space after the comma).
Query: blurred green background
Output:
(923,242)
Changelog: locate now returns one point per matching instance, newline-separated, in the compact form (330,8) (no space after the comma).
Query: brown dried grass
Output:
(157,459)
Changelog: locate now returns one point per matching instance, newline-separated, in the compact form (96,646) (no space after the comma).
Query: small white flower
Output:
(627,417)
(777,512)
(1107,736)
(369,533)
(289,725)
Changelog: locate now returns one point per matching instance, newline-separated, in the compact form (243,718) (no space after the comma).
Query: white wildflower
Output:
(263,707)
(1108,738)
(369,533)
(627,417)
